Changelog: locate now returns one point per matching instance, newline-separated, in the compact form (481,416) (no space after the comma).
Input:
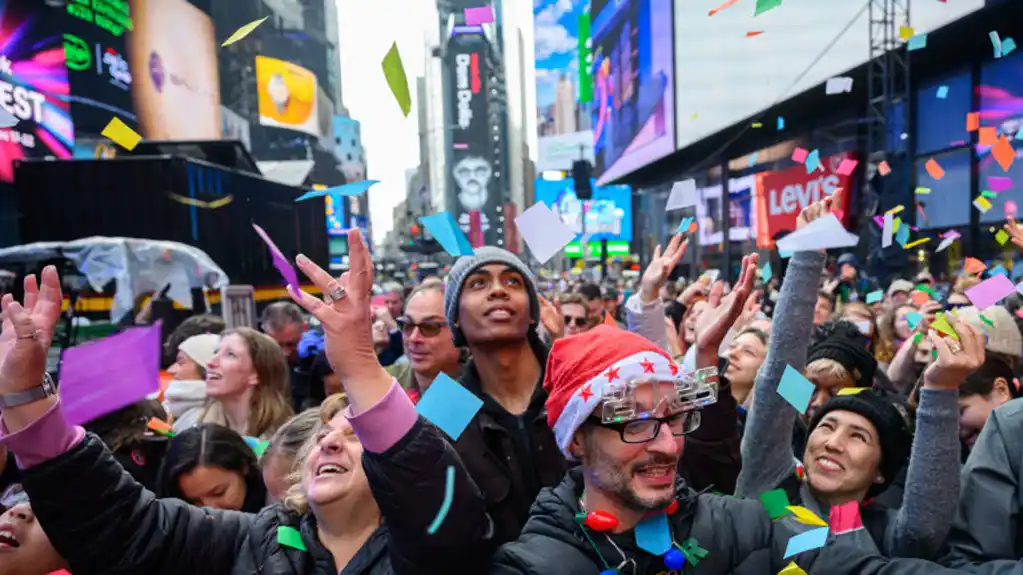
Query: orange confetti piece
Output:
(934,169)
(884,169)
(973,266)
(726,4)
(920,297)
(1003,153)
(752,34)
(987,136)
(160,426)
(972,121)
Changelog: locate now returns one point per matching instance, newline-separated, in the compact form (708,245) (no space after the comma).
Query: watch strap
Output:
(41,391)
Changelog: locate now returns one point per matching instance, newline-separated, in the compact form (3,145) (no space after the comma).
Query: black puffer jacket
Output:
(102,521)
(738,535)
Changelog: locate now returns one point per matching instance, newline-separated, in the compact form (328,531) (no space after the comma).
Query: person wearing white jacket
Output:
(186,394)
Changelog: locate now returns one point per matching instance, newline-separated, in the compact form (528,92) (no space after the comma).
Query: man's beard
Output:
(614,480)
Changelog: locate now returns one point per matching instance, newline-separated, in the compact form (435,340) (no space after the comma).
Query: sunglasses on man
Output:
(578,321)
(429,328)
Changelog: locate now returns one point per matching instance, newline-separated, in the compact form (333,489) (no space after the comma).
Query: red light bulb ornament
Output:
(600,521)
(653,535)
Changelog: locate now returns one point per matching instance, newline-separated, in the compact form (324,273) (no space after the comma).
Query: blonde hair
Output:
(268,408)
(964,283)
(828,367)
(295,498)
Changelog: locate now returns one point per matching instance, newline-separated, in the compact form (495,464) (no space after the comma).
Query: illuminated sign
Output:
(114,16)
(77,53)
(467,86)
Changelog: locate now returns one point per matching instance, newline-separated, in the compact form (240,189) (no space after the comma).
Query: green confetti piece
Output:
(261,447)
(394,71)
(775,502)
(1001,237)
(765,5)
(927,289)
(692,551)
(989,194)
(290,537)
(918,338)
(986,320)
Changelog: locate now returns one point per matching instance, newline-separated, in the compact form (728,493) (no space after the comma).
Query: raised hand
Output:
(1015,232)
(347,318)
(551,318)
(660,268)
(722,312)
(28,331)
(819,209)
(957,358)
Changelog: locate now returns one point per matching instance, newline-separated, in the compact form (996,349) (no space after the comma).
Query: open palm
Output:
(27,331)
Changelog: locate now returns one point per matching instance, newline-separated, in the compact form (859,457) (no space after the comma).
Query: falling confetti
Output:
(243,32)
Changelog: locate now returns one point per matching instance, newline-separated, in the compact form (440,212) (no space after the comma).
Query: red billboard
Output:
(780,196)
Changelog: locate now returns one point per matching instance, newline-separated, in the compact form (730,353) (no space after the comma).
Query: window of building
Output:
(947,203)
(941,122)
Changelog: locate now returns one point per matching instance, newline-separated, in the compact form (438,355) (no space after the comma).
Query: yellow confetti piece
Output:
(121,134)
(243,32)
(792,569)
(852,390)
(921,191)
(1001,237)
(757,125)
(941,325)
(693,117)
(915,243)
(896,209)
(982,204)
(218,203)
(895,224)
(804,515)
(394,71)
(906,32)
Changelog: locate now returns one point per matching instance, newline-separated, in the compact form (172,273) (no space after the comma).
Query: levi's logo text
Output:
(794,197)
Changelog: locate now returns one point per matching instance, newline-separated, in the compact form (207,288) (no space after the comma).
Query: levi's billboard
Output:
(782,195)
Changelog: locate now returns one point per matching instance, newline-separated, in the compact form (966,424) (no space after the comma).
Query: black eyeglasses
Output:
(647,429)
(951,306)
(578,321)
(429,328)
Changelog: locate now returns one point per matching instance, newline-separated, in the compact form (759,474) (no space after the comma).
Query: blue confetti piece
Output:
(874,297)
(902,236)
(445,506)
(918,42)
(445,230)
(781,123)
(765,272)
(653,534)
(913,319)
(752,159)
(352,189)
(448,405)
(942,92)
(684,226)
(813,161)
(1008,47)
(996,43)
(795,389)
(784,254)
(999,269)
(813,539)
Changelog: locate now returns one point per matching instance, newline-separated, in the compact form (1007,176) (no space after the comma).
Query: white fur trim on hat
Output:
(643,365)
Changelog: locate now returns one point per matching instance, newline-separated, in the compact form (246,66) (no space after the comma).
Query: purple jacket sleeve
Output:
(387,421)
(44,439)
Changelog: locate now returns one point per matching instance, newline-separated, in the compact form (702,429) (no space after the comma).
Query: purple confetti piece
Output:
(951,234)
(999,183)
(280,262)
(879,220)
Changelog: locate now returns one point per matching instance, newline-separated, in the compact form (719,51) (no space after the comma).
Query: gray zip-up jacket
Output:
(919,527)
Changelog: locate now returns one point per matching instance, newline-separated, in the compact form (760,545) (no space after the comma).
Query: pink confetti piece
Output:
(478,16)
(879,220)
(951,234)
(845,518)
(990,291)
(799,155)
(846,167)
(999,183)
(280,262)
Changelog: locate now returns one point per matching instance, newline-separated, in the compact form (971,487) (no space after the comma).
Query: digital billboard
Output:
(473,192)
(95,49)
(608,214)
(33,86)
(723,77)
(633,113)
(172,59)
(348,149)
(287,96)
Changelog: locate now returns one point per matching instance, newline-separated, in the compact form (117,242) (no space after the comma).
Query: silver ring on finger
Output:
(338,293)
(955,347)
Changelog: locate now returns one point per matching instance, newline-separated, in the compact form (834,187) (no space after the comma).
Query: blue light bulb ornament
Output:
(674,560)
(609,572)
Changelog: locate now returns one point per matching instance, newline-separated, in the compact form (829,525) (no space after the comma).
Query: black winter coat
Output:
(103,522)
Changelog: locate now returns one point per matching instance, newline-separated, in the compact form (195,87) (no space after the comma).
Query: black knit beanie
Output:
(893,431)
(849,349)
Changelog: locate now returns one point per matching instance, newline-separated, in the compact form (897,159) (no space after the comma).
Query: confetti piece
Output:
(478,16)
(846,517)
(1008,47)
(874,297)
(290,537)
(846,167)
(683,195)
(799,155)
(776,502)
(211,205)
(921,191)
(683,226)
(543,231)
(913,319)
(792,569)
(982,204)
(990,291)
(757,125)
(394,72)
(121,134)
(445,506)
(449,235)
(243,32)
(838,85)
(765,272)
(694,116)
(972,121)
(752,34)
(653,534)
(934,169)
(918,42)
(852,391)
(813,539)
(902,235)
(906,32)
(887,230)
(884,169)
(996,43)
(1001,237)
(987,136)
(282,264)
(973,266)
(915,243)
(160,426)
(781,123)
(896,210)
(998,269)
(448,405)
(813,161)
(257,445)
(942,92)
(726,4)
(795,389)
(920,297)
(765,5)
(989,194)
(804,515)
(753,159)
(352,189)
(825,232)
(999,183)
(941,325)
(1003,153)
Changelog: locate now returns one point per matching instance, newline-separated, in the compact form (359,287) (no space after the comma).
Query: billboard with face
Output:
(474,192)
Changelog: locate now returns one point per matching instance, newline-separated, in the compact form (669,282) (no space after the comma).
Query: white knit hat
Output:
(1002,334)
(200,348)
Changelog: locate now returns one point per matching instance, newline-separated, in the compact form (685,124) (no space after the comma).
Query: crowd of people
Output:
(639,428)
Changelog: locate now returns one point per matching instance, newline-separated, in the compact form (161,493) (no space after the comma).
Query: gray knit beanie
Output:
(466,265)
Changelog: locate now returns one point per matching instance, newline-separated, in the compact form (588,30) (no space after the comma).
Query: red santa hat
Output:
(582,368)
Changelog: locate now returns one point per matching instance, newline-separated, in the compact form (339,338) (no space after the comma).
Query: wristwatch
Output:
(41,391)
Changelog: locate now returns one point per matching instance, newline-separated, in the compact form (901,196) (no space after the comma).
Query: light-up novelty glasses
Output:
(624,407)
(13,495)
